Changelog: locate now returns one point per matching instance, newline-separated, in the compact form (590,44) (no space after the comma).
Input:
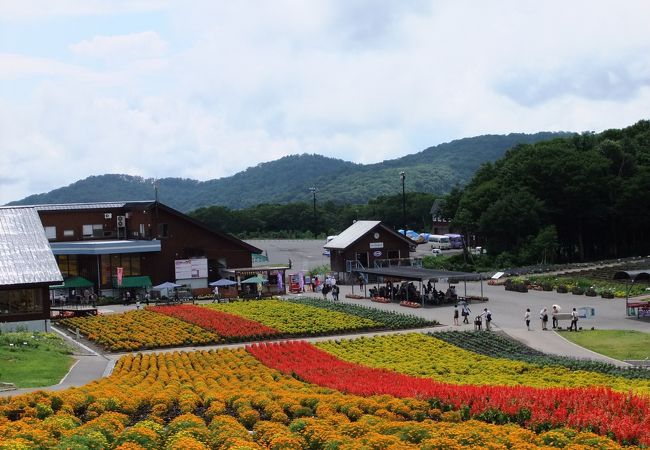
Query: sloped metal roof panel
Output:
(25,254)
(95,205)
(351,234)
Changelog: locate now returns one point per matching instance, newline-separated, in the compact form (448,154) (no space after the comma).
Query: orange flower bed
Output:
(226,325)
(213,399)
(137,330)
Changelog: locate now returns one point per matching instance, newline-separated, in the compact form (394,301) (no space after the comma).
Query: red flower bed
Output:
(601,410)
(224,324)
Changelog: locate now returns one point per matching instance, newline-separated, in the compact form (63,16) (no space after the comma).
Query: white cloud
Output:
(225,85)
(127,47)
(37,9)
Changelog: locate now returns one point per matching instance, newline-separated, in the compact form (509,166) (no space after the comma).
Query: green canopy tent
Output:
(141,282)
(73,283)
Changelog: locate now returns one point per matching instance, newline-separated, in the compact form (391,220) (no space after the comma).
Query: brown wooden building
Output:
(144,238)
(27,269)
(365,242)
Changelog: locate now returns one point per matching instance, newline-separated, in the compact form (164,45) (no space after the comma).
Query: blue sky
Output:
(204,89)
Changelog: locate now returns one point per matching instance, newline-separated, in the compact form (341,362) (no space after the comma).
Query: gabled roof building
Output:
(27,268)
(363,243)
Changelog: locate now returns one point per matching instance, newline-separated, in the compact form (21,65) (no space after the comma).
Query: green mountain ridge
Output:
(436,169)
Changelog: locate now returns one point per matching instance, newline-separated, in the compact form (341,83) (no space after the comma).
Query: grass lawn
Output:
(618,344)
(33,359)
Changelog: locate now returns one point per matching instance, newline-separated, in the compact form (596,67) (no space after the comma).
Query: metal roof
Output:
(93,205)
(356,231)
(25,254)
(418,273)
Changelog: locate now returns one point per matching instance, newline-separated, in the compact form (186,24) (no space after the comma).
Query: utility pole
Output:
(313,190)
(402,176)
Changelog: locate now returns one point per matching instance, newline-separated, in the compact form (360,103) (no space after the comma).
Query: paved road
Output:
(305,254)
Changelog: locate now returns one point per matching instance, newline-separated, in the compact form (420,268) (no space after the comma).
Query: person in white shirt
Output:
(574,320)
(488,318)
(527,318)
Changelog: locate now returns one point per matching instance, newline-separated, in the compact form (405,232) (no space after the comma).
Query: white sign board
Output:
(191,268)
(376,245)
(497,275)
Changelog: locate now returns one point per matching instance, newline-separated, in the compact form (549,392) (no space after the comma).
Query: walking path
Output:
(507,310)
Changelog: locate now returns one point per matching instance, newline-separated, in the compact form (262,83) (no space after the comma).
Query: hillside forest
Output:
(576,198)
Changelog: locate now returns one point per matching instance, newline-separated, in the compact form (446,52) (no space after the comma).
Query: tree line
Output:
(570,199)
(297,219)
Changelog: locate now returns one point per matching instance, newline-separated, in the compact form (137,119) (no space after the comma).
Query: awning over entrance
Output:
(73,283)
(419,274)
(133,282)
(104,247)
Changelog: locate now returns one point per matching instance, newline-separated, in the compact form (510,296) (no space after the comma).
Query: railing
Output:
(352,265)
(398,262)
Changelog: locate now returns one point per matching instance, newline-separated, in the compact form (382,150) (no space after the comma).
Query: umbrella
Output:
(167,285)
(255,280)
(558,307)
(223,282)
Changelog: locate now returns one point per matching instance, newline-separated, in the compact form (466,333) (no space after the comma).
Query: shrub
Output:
(577,290)
(562,289)
(607,294)
(591,292)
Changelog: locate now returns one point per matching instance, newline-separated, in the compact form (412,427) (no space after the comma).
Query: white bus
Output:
(440,241)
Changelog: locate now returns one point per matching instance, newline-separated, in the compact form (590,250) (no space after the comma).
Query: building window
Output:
(50,233)
(130,263)
(68,265)
(68,233)
(163,230)
(141,230)
(93,230)
(21,301)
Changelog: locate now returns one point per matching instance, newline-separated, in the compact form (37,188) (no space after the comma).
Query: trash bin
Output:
(585,312)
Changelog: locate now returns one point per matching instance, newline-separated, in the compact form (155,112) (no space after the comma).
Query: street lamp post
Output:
(313,190)
(402,176)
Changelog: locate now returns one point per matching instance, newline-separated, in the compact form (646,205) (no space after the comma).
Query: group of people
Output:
(555,311)
(485,316)
(333,288)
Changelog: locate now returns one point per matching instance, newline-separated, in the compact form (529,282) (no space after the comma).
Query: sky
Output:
(204,89)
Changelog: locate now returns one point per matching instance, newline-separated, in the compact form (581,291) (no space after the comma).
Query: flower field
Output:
(296,318)
(178,325)
(626,417)
(425,356)
(228,399)
(224,324)
(137,330)
(502,346)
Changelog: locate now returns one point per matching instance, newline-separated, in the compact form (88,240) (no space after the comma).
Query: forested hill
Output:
(288,179)
(578,198)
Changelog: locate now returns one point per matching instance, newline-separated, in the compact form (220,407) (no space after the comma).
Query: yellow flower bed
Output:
(136,330)
(295,318)
(212,399)
(425,356)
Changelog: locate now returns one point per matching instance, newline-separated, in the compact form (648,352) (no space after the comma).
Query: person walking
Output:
(574,320)
(215,297)
(466,312)
(456,315)
(527,318)
(335,293)
(543,315)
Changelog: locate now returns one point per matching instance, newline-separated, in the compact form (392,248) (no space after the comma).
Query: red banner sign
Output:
(120,275)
